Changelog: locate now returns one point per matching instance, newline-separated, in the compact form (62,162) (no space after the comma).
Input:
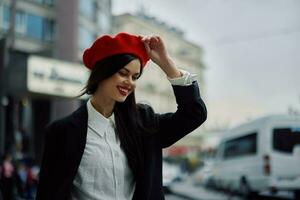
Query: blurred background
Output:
(245,55)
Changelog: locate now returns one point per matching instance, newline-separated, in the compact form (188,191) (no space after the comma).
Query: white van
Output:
(260,155)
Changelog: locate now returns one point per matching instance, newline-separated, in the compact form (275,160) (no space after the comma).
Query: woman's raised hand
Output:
(157,52)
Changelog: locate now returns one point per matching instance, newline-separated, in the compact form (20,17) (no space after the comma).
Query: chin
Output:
(120,99)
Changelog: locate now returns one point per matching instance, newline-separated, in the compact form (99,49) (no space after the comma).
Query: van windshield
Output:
(284,139)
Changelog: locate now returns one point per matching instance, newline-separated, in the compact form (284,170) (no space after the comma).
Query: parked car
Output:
(261,155)
(171,174)
(204,176)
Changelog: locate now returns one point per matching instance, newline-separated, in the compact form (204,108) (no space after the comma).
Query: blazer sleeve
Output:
(190,114)
(49,169)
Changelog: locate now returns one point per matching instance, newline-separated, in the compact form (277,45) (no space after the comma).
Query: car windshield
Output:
(284,139)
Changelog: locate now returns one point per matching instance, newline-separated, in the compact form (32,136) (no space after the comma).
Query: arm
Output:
(191,111)
(170,127)
(190,114)
(49,166)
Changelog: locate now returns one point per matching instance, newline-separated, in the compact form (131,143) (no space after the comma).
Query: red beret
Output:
(107,45)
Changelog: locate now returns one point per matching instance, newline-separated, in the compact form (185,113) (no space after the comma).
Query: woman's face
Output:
(122,83)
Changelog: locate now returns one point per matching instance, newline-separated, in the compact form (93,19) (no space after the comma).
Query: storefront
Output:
(39,90)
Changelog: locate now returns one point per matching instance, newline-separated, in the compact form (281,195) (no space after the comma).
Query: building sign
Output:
(55,77)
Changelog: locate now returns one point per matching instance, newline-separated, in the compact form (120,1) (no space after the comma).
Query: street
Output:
(186,190)
(174,197)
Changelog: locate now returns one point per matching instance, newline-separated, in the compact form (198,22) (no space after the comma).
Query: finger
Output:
(156,39)
(147,47)
(149,38)
(143,38)
(146,39)
(154,43)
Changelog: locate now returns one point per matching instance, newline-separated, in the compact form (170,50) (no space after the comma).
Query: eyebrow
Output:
(129,71)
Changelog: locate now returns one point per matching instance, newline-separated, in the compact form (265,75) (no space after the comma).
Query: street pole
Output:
(3,65)
(11,31)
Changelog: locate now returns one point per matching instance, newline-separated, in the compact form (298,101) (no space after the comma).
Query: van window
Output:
(240,146)
(284,139)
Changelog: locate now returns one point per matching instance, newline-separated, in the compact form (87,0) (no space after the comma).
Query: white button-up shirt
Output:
(104,173)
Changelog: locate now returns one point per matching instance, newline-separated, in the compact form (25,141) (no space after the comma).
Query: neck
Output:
(105,107)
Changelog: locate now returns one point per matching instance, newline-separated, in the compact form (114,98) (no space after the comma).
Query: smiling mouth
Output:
(123,91)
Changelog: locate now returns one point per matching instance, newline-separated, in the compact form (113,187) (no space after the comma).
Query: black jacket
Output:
(66,138)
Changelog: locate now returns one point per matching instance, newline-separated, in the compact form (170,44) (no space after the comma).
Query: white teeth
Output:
(123,90)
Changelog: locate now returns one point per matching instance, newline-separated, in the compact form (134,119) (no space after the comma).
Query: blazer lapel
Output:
(76,139)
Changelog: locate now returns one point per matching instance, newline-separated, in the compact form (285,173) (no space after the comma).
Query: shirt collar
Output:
(97,121)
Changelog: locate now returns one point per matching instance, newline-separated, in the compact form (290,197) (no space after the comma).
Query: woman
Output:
(111,147)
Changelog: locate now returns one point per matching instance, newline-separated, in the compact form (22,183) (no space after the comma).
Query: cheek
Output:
(134,85)
(118,79)
(107,85)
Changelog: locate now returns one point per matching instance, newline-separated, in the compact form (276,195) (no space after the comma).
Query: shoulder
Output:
(54,130)
(145,110)
(58,123)
(76,118)
(147,115)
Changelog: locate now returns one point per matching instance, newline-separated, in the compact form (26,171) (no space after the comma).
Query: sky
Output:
(250,48)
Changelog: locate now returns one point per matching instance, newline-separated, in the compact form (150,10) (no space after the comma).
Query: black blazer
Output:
(66,138)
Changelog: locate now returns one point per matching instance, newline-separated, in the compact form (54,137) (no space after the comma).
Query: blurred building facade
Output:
(45,40)
(153,87)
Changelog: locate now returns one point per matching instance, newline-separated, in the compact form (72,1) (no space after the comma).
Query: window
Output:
(45,2)
(20,22)
(284,139)
(86,37)
(49,2)
(34,27)
(241,146)
(4,17)
(49,30)
(28,25)
(38,1)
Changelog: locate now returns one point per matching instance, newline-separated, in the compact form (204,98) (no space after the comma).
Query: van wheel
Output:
(246,191)
(244,188)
